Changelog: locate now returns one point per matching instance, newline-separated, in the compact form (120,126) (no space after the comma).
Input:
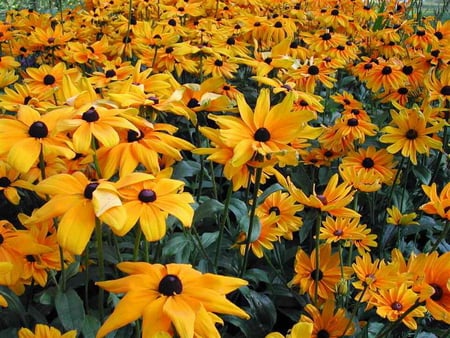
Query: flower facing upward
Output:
(266,131)
(410,134)
(172,297)
(329,272)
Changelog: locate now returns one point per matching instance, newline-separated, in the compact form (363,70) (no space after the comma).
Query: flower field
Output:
(225,168)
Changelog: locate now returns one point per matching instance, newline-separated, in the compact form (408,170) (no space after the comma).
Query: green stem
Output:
(137,242)
(258,175)
(355,309)
(86,279)
(42,163)
(443,236)
(317,244)
(127,35)
(101,265)
(222,225)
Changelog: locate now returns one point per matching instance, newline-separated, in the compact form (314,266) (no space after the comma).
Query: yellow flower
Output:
(438,204)
(171,298)
(397,218)
(44,331)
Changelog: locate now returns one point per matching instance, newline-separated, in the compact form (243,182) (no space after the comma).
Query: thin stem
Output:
(222,224)
(443,235)
(101,265)
(86,279)
(137,242)
(317,244)
(355,309)
(258,175)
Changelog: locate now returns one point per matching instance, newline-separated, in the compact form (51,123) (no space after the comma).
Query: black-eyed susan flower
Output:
(332,200)
(301,329)
(264,131)
(78,202)
(219,66)
(45,331)
(394,302)
(21,94)
(396,217)
(410,134)
(340,229)
(31,134)
(329,321)
(439,85)
(438,204)
(172,298)
(10,182)
(149,200)
(386,75)
(327,274)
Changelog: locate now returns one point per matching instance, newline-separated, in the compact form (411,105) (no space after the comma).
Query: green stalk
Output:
(258,175)
(355,309)
(127,36)
(317,244)
(137,242)
(443,236)
(222,225)
(101,265)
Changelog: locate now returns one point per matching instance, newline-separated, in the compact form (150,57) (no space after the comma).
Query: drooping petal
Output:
(24,154)
(181,314)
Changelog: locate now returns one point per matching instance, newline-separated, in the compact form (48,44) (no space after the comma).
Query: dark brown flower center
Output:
(147,196)
(172,22)
(316,274)
(323,334)
(323,199)
(313,70)
(386,70)
(170,285)
(1,239)
(49,80)
(5,182)
(411,134)
(407,70)
(27,99)
(193,103)
(30,258)
(352,122)
(89,189)
(396,306)
(326,36)
(439,35)
(110,73)
(438,292)
(231,41)
(368,163)
(338,232)
(335,12)
(38,130)
(402,91)
(218,63)
(420,33)
(368,66)
(278,24)
(445,90)
(133,136)
(90,115)
(275,209)
(262,135)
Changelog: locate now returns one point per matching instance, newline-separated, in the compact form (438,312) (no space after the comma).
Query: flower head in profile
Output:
(45,331)
(397,218)
(172,298)
(410,134)
(333,199)
(438,204)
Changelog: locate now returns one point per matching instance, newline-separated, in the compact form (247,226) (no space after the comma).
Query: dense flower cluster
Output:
(312,134)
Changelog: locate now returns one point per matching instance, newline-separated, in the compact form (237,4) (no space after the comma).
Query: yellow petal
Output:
(24,154)
(181,314)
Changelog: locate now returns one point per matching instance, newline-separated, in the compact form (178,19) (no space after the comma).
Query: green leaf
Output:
(14,303)
(244,225)
(257,276)
(268,191)
(90,327)
(262,311)
(209,238)
(71,270)
(375,328)
(207,209)
(422,173)
(69,307)
(186,169)
(238,208)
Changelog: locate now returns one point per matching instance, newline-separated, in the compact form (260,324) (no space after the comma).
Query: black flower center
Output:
(335,12)
(169,50)
(172,22)
(262,135)
(439,35)
(411,134)
(268,60)
(435,53)
(193,103)
(90,115)
(316,274)
(323,334)
(231,41)
(147,196)
(133,136)
(445,90)
(1,239)
(407,70)
(368,66)
(30,258)
(303,103)
(340,47)
(338,232)
(89,189)
(368,163)
(355,111)
(328,153)
(402,91)
(352,122)
(438,293)
(275,209)
(396,306)
(326,36)
(126,39)
(27,99)
(420,33)
(38,130)
(386,70)
(313,70)
(49,80)
(110,73)
(4,182)
(170,285)
(218,63)
(278,24)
